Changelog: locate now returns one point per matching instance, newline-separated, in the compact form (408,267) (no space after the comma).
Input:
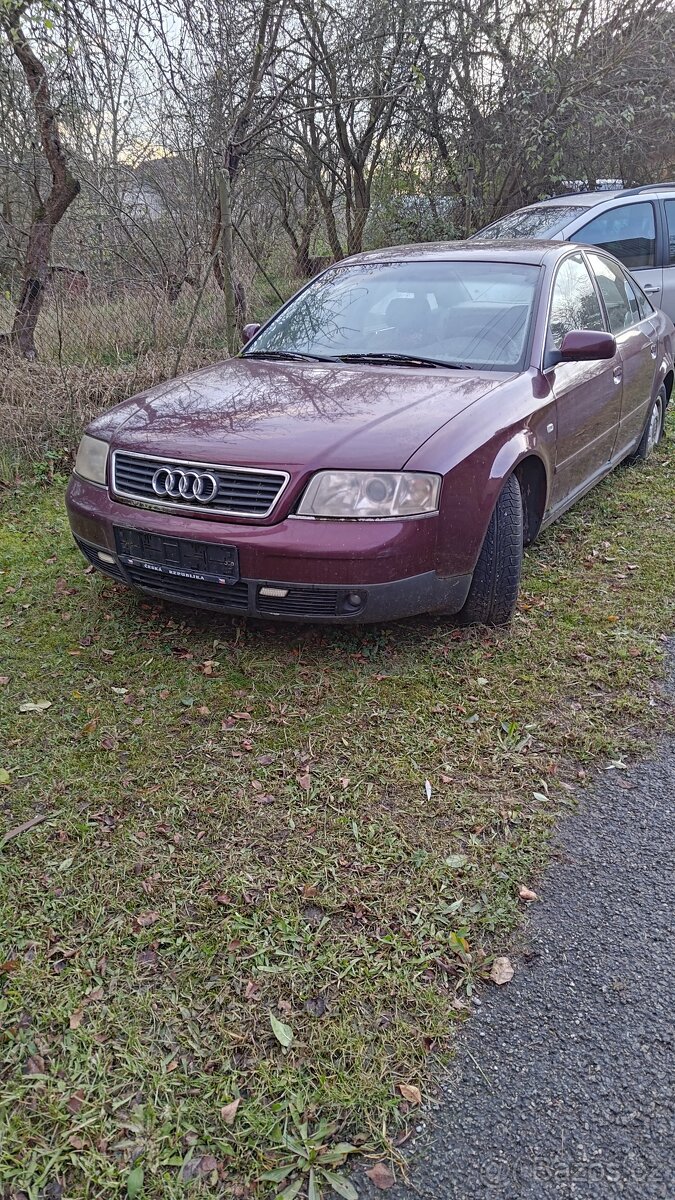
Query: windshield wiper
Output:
(403,360)
(290,355)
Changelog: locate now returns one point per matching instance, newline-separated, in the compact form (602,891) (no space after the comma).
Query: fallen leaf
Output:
(3,680)
(410,1093)
(229,1111)
(283,1033)
(38,706)
(251,990)
(5,779)
(502,971)
(143,920)
(75,1018)
(74,1103)
(316,1005)
(35,1065)
(381,1176)
(455,861)
(304,782)
(526,893)
(427,789)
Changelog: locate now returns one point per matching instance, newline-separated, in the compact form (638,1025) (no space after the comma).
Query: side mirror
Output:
(249,331)
(584,345)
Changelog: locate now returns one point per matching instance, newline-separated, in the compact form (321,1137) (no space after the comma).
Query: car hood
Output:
(294,415)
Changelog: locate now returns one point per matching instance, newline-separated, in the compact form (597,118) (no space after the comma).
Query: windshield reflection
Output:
(456,312)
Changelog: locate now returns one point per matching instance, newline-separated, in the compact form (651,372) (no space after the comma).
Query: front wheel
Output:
(494,588)
(653,429)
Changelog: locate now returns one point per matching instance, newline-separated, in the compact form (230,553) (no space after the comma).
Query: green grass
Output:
(240,827)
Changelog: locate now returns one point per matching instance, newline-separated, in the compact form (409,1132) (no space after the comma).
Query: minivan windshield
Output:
(539,221)
(466,314)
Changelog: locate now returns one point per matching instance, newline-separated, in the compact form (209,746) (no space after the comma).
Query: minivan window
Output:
(540,221)
(670,223)
(628,232)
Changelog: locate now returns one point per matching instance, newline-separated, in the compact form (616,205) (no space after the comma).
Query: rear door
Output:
(637,343)
(587,394)
(629,232)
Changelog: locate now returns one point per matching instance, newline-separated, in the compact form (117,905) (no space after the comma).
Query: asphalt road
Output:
(579,1048)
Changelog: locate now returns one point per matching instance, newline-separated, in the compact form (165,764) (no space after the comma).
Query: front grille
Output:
(300,602)
(234,597)
(241,492)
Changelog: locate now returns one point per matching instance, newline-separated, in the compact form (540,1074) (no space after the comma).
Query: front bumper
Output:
(295,570)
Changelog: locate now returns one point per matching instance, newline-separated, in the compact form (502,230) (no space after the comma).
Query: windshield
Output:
(540,221)
(468,314)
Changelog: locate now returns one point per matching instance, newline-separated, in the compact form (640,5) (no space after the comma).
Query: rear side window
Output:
(617,292)
(574,302)
(670,223)
(628,232)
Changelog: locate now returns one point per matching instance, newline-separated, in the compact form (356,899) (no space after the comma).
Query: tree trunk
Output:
(359,214)
(47,213)
(224,267)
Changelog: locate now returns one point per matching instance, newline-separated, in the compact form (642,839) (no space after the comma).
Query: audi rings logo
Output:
(185,485)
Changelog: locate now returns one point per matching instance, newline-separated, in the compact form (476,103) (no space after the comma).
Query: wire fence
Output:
(98,344)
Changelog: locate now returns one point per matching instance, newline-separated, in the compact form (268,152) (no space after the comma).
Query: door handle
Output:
(653,350)
(651,289)
(618,374)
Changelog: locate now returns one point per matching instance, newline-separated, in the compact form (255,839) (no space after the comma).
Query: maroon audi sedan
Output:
(387,443)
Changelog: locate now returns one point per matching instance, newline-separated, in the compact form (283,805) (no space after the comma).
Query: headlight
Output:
(92,456)
(366,495)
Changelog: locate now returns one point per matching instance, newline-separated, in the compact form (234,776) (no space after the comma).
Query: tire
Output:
(653,430)
(494,588)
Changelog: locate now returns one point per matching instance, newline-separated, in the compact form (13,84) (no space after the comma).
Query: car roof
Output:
(589,199)
(517,250)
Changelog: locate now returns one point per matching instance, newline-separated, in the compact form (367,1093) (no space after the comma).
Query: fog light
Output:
(107,558)
(275,592)
(354,599)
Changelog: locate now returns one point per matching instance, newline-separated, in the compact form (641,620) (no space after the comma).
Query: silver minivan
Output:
(636,225)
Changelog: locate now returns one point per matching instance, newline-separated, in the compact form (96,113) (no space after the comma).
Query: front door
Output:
(587,394)
(637,344)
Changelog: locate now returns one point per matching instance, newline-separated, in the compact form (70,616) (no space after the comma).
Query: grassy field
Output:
(278,861)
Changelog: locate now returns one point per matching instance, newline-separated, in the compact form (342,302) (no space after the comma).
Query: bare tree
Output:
(47,211)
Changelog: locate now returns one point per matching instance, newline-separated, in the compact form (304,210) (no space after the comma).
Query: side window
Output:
(628,232)
(574,303)
(614,286)
(670,224)
(632,299)
(644,305)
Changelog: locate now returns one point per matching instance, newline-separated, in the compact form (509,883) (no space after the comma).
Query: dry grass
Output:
(44,405)
(93,353)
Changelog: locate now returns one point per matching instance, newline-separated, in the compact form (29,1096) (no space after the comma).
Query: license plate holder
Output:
(185,558)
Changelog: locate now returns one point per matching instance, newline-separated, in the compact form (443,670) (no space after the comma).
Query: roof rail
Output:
(645,187)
